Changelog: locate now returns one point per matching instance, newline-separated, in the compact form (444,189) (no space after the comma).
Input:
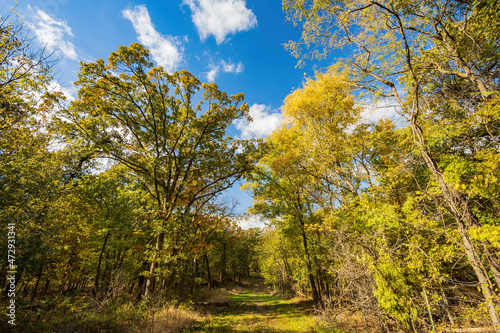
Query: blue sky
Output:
(236,43)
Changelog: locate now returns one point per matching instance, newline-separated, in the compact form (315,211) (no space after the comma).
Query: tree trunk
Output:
(46,287)
(222,276)
(315,294)
(446,307)
(208,272)
(119,260)
(95,290)
(195,267)
(151,279)
(37,282)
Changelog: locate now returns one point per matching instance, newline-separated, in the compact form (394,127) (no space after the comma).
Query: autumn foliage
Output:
(117,196)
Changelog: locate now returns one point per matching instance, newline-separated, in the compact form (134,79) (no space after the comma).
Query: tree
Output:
(445,56)
(108,206)
(29,171)
(284,196)
(142,117)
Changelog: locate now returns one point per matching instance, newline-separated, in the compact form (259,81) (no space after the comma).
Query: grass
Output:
(257,310)
(75,314)
(252,309)
(172,319)
(81,314)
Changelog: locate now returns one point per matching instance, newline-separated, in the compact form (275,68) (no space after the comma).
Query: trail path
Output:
(257,310)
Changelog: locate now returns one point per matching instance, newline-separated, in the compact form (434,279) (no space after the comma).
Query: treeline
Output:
(397,220)
(116,197)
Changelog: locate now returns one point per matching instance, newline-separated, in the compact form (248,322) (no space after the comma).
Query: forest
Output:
(112,206)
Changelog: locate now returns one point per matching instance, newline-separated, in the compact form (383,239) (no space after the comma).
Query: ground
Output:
(255,308)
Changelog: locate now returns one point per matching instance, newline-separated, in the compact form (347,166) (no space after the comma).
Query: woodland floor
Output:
(256,308)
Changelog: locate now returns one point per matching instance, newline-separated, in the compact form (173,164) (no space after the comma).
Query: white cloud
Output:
(220,17)
(264,122)
(213,72)
(165,50)
(231,68)
(247,222)
(52,33)
(387,108)
(226,67)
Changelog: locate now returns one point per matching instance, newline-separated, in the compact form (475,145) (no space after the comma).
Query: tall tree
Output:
(140,116)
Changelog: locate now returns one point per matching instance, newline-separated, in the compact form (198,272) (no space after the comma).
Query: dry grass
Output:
(355,322)
(218,295)
(172,319)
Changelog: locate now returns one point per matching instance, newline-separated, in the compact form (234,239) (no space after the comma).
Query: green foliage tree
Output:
(317,160)
(147,119)
(444,55)
(29,171)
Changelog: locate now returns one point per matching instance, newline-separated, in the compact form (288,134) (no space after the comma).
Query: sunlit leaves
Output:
(169,130)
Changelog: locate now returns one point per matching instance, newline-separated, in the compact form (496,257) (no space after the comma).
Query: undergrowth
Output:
(84,314)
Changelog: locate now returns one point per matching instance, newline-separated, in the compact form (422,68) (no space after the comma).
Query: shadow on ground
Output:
(256,310)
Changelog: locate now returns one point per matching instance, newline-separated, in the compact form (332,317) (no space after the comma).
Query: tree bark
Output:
(46,287)
(195,267)
(151,279)
(315,294)
(95,290)
(223,264)
(37,282)
(208,272)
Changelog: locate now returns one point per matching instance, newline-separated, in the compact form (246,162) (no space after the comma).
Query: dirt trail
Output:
(256,309)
